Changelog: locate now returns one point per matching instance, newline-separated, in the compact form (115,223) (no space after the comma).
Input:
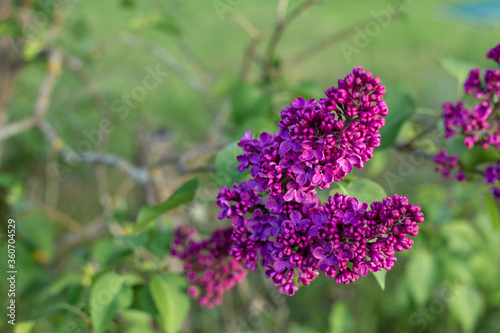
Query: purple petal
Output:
(290,195)
(355,160)
(300,196)
(317,178)
(318,219)
(332,261)
(306,145)
(345,165)
(307,155)
(285,146)
(318,154)
(329,248)
(327,178)
(299,103)
(296,147)
(295,216)
(279,265)
(302,179)
(313,231)
(254,158)
(323,264)
(319,253)
(297,168)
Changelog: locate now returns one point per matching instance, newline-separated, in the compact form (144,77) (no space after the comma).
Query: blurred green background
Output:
(76,221)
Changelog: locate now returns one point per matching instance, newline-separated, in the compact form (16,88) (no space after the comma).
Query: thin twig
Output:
(283,21)
(61,217)
(42,102)
(69,156)
(327,42)
(410,149)
(245,24)
(193,60)
(168,58)
(77,65)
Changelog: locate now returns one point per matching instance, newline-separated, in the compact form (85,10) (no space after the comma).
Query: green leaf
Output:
(455,146)
(226,166)
(420,275)
(461,237)
(134,241)
(248,102)
(466,307)
(400,99)
(340,320)
(492,208)
(380,277)
(160,242)
(366,190)
(184,194)
(340,188)
(107,252)
(38,229)
(62,282)
(136,317)
(473,157)
(171,300)
(9,27)
(140,329)
(106,298)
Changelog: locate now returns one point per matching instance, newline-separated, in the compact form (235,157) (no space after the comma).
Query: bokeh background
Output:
(107,106)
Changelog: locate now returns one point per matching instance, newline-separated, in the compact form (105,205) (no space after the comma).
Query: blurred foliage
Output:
(122,279)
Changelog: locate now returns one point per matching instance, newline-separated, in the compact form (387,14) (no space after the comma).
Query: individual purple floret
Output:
(209,267)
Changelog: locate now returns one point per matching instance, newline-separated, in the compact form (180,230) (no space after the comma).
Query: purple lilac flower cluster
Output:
(210,269)
(277,216)
(492,176)
(447,163)
(318,142)
(479,125)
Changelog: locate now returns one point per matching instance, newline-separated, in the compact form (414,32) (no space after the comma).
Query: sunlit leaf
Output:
(466,307)
(108,294)
(226,166)
(492,207)
(171,300)
(248,102)
(340,320)
(380,277)
(184,194)
(420,275)
(365,190)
